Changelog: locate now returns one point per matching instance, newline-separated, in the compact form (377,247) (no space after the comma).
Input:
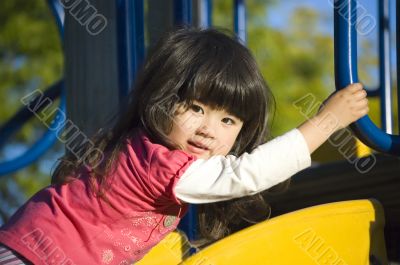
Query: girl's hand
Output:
(338,111)
(345,106)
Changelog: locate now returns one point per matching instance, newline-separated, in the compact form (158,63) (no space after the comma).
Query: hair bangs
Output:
(227,94)
(226,85)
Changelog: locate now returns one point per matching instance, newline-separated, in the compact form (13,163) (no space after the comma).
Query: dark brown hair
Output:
(185,65)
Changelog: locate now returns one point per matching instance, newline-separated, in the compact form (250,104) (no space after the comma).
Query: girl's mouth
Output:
(198,145)
(196,148)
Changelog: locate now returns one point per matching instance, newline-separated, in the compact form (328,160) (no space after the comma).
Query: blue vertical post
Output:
(240,20)
(182,12)
(398,59)
(345,43)
(385,69)
(346,73)
(188,223)
(205,13)
(183,16)
(130,42)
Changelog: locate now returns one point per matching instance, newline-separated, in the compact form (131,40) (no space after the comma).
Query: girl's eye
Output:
(197,109)
(228,121)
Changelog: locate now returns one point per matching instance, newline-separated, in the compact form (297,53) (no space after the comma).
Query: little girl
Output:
(193,132)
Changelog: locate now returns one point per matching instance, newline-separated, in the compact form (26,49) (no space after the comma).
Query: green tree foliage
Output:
(297,60)
(30,58)
(294,62)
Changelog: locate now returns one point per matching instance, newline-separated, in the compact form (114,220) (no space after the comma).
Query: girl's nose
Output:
(206,129)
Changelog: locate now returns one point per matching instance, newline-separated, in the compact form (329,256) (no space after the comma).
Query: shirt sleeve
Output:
(225,177)
(166,167)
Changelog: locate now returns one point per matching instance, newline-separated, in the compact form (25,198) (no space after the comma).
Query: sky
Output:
(280,15)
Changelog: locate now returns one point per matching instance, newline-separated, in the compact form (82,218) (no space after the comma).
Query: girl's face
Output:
(203,131)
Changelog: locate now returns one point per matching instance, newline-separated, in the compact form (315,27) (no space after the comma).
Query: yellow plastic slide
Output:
(349,232)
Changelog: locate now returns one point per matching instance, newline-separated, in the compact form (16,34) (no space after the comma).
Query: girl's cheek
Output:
(220,149)
(195,122)
(188,123)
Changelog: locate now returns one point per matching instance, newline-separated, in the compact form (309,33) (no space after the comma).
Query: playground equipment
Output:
(49,137)
(346,73)
(347,232)
(337,233)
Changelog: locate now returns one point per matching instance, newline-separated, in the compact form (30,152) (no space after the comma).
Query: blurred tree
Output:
(30,58)
(295,61)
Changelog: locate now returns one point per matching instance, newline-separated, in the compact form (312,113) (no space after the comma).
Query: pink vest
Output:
(69,224)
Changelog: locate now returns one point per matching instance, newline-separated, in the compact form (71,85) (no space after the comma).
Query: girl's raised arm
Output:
(341,109)
(222,178)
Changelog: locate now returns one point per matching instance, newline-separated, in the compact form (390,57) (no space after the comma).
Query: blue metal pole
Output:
(398,59)
(240,20)
(50,137)
(24,114)
(182,17)
(346,73)
(205,13)
(41,146)
(385,69)
(130,42)
(182,12)
(188,223)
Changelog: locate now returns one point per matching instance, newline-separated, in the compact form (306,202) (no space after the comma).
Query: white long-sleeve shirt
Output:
(222,178)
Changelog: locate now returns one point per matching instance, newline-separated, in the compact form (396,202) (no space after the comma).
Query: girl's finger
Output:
(363,111)
(361,103)
(355,87)
(360,94)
